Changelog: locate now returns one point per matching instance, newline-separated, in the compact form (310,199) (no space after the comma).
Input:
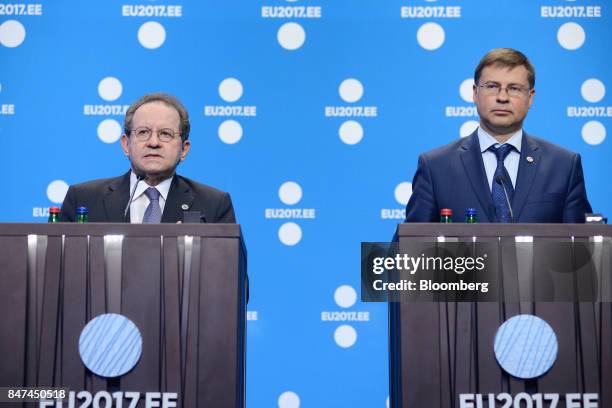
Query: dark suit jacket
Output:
(106,200)
(549,188)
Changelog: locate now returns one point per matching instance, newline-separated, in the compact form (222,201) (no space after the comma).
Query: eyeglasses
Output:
(144,133)
(491,88)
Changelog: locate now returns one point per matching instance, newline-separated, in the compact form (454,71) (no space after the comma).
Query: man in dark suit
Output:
(155,140)
(505,174)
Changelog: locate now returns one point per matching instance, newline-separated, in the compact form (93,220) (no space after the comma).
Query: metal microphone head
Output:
(499,180)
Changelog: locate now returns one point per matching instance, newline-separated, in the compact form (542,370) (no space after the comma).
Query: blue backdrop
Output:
(320,107)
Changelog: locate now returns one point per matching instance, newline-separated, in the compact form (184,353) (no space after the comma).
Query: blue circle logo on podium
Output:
(525,346)
(110,345)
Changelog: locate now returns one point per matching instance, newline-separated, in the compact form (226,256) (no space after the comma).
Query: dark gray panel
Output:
(14,303)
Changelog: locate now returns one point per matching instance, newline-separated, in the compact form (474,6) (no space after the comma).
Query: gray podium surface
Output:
(182,285)
(440,350)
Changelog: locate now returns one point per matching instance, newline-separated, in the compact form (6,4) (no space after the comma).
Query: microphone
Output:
(139,177)
(500,180)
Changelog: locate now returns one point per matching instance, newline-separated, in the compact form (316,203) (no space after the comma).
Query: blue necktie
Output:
(153,212)
(502,210)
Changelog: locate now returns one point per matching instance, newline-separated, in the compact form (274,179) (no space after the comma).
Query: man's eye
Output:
(491,86)
(142,132)
(166,134)
(515,88)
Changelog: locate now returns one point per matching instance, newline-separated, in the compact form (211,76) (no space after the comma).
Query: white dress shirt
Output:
(140,202)
(511,162)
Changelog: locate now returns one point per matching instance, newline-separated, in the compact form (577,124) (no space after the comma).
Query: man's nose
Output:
(154,141)
(502,95)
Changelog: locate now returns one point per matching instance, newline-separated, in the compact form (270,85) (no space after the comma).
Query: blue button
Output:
(110,345)
(525,346)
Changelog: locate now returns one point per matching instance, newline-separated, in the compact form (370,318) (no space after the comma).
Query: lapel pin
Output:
(529,159)
(185,207)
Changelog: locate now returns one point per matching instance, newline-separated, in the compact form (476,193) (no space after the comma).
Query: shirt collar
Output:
(163,187)
(486,140)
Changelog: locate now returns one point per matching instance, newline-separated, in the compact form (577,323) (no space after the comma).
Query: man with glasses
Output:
(501,171)
(155,140)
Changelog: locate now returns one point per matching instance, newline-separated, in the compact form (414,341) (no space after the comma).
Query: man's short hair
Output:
(169,100)
(507,58)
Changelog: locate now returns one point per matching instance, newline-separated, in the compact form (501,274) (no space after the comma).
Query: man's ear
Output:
(531,96)
(125,141)
(185,149)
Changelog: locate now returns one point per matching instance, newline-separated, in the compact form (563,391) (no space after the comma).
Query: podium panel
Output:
(182,286)
(443,354)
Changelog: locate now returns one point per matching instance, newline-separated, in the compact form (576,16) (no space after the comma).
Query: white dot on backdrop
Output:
(466,90)
(290,192)
(151,35)
(468,128)
(430,36)
(110,89)
(289,399)
(351,132)
(12,33)
(230,89)
(345,336)
(109,131)
(291,36)
(571,36)
(345,296)
(56,191)
(290,233)
(230,131)
(593,90)
(593,132)
(402,193)
(350,90)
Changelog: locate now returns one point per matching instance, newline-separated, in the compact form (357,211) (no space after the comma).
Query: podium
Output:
(183,286)
(438,351)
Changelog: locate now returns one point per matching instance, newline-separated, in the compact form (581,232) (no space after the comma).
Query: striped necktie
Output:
(153,212)
(502,210)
